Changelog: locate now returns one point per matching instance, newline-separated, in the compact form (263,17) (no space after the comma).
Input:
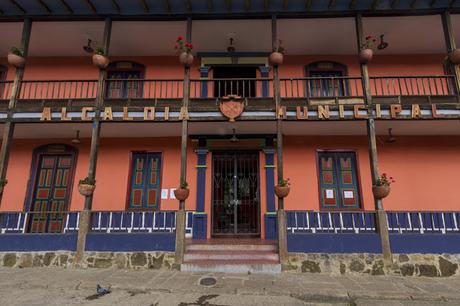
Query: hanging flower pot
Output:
(16,58)
(276,58)
(454,56)
(282,191)
(86,189)
(231,107)
(101,61)
(381,192)
(186,59)
(365,55)
(181,193)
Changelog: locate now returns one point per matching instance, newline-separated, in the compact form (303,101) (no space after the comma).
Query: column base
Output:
(271,226)
(200,225)
(180,236)
(83,229)
(282,237)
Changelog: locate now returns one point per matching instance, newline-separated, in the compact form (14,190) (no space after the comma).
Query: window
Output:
(3,92)
(326,79)
(125,80)
(145,181)
(338,177)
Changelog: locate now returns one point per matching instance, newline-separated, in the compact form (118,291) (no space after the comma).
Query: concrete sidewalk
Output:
(57,286)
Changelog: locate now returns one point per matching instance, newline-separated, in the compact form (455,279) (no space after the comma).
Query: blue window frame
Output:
(145,189)
(338,178)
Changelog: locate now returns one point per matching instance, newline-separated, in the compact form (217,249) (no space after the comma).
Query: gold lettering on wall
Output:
(84,113)
(46,114)
(356,109)
(166,113)
(301,113)
(108,114)
(183,115)
(64,116)
(149,113)
(378,111)
(126,114)
(341,112)
(434,112)
(281,113)
(394,110)
(323,112)
(415,112)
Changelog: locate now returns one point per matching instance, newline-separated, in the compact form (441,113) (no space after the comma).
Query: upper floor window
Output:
(326,79)
(338,180)
(125,80)
(145,184)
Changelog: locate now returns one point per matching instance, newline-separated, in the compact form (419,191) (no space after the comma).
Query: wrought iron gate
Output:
(235,197)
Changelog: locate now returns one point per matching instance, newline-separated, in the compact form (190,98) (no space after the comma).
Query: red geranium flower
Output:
(180,38)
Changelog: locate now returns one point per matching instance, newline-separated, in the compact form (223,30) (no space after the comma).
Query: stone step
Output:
(232,266)
(231,255)
(230,247)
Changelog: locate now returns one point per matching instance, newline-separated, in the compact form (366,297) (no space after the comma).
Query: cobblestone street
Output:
(57,286)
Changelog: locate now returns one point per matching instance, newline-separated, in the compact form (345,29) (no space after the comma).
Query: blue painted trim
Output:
(264,73)
(270,179)
(204,73)
(38,242)
(425,243)
(334,243)
(271,227)
(201,179)
(200,226)
(138,242)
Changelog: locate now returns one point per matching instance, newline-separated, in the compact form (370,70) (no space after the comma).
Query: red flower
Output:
(190,46)
(180,38)
(368,37)
(374,40)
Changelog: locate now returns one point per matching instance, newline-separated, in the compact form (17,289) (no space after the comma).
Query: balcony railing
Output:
(321,88)
(440,85)
(38,222)
(424,222)
(58,90)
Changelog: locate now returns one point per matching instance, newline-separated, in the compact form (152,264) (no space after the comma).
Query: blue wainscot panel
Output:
(334,243)
(425,243)
(38,242)
(133,242)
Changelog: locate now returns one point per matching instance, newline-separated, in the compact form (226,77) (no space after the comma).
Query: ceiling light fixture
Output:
(76,140)
(390,138)
(234,138)
(383,44)
(88,47)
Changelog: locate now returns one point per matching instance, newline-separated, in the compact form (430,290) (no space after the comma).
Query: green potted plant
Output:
(3,184)
(86,186)
(454,56)
(367,50)
(277,56)
(283,188)
(16,57)
(382,188)
(100,59)
(182,192)
(184,49)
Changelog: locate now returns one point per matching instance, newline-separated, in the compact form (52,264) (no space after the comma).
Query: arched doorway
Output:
(125,80)
(51,181)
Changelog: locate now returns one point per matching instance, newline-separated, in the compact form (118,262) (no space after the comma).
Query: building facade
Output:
(146,124)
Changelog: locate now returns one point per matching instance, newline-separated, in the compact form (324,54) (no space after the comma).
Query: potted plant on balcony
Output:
(86,186)
(382,188)
(3,184)
(184,50)
(277,56)
(367,50)
(283,188)
(454,56)
(16,57)
(100,59)
(182,192)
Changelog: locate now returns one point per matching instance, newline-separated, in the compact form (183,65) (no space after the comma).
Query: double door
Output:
(235,197)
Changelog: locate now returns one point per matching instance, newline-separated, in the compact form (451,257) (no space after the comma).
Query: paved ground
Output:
(55,286)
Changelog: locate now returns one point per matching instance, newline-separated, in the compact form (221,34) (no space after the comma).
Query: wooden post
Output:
(449,37)
(85,215)
(181,215)
(382,222)
(280,215)
(8,128)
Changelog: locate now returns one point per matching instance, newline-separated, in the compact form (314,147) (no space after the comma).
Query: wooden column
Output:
(449,37)
(381,218)
(181,215)
(8,128)
(85,215)
(281,215)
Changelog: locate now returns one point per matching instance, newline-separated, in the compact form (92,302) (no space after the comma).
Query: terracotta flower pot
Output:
(16,60)
(182,193)
(86,189)
(186,59)
(381,192)
(276,58)
(231,109)
(365,56)
(100,61)
(454,56)
(282,191)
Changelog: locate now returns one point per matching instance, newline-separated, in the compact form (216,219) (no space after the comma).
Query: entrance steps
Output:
(231,256)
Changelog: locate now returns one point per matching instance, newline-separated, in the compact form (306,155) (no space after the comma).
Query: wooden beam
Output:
(352,4)
(116,6)
(266,5)
(67,6)
(308,5)
(46,7)
(247,5)
(394,3)
(413,4)
(188,5)
(145,6)
(91,6)
(285,4)
(375,4)
(228,5)
(18,6)
(452,2)
(451,44)
(210,5)
(433,2)
(167,6)
(331,4)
